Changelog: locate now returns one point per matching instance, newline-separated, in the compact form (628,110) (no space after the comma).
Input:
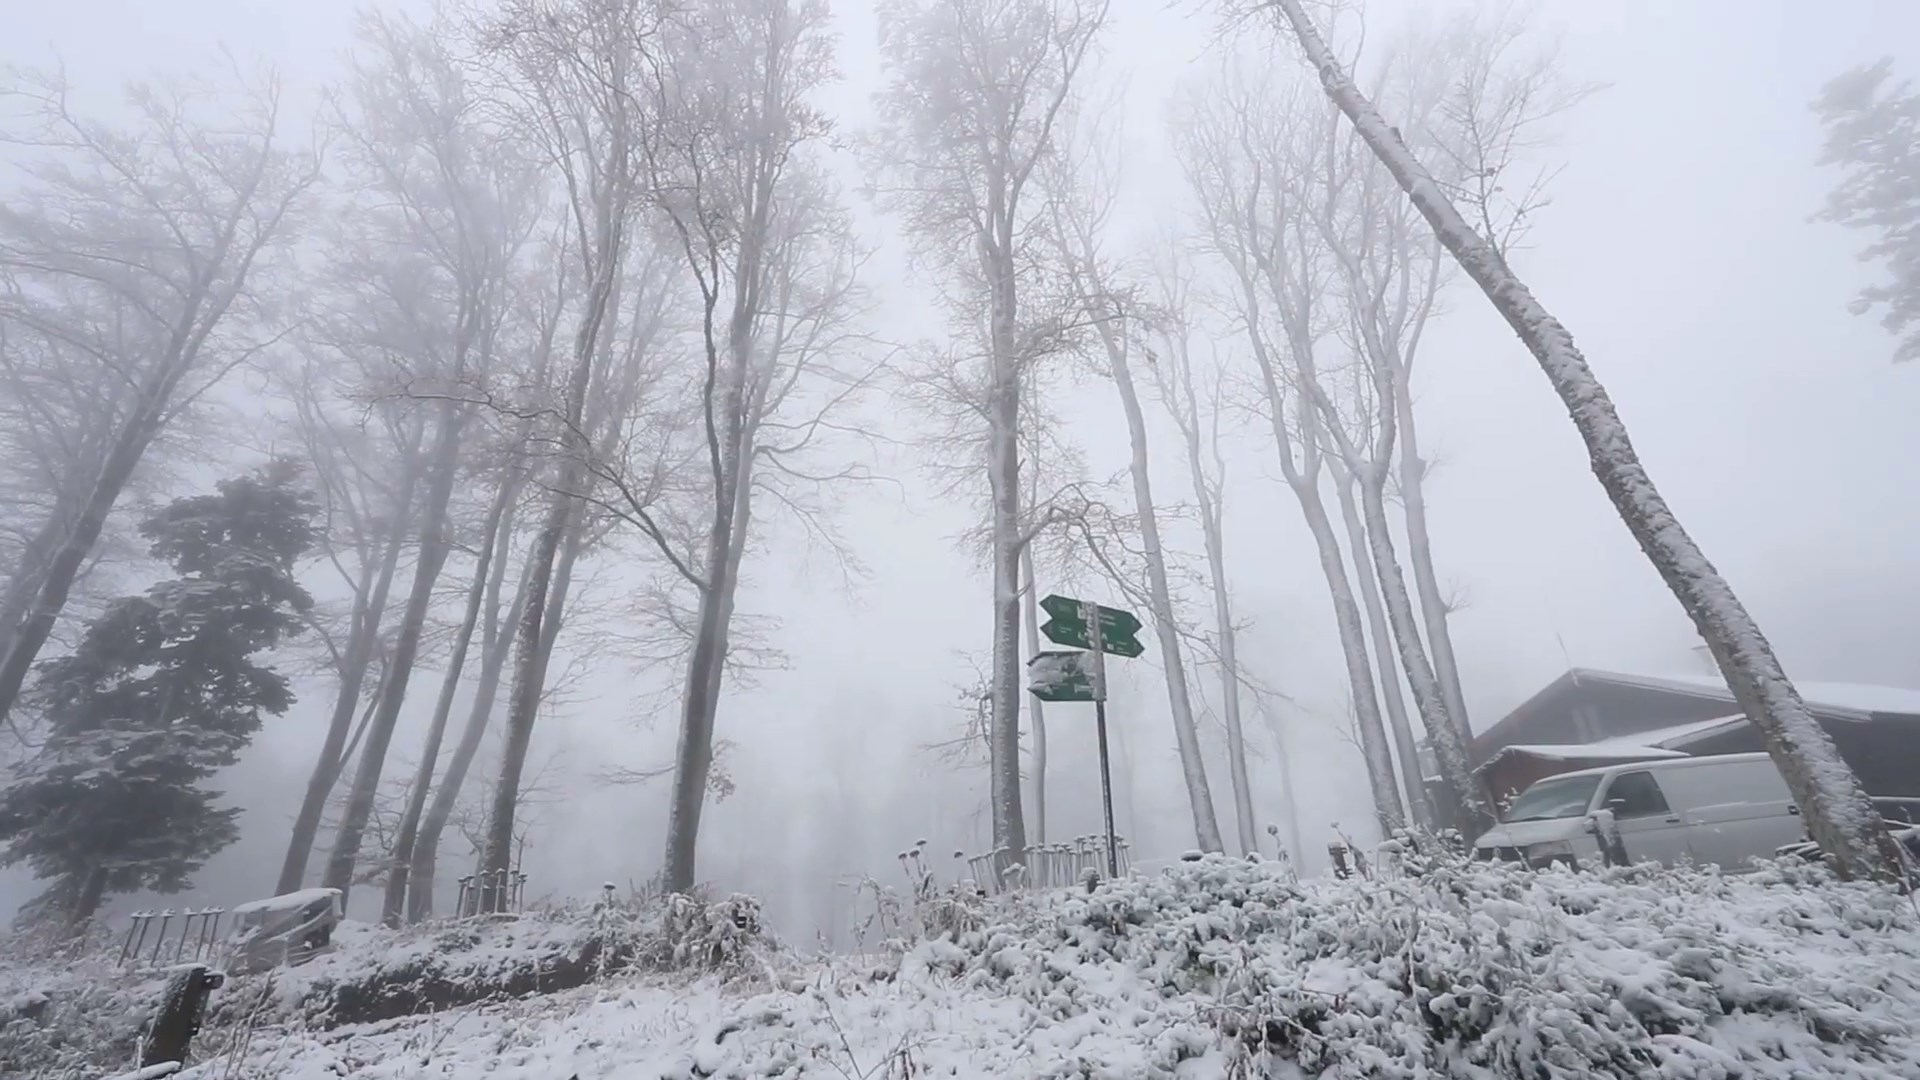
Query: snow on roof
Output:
(1639,746)
(292,901)
(1849,701)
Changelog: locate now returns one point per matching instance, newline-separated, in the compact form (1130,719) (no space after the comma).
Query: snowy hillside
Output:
(1212,969)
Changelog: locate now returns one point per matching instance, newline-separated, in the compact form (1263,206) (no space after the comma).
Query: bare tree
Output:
(1234,140)
(973,94)
(442,190)
(771,259)
(1385,665)
(576,69)
(1080,200)
(131,255)
(1839,814)
(367,475)
(1181,391)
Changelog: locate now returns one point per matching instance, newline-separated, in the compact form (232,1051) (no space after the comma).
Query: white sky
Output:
(1677,249)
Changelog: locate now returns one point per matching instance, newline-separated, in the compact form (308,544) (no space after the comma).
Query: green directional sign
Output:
(1067,625)
(1061,676)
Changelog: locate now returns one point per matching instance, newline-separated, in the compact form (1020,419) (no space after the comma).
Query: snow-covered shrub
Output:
(930,908)
(1466,967)
(70,1012)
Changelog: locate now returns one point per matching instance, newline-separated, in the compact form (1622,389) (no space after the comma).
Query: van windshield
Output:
(1556,798)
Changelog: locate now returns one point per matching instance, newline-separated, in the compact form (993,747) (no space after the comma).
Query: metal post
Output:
(1091,612)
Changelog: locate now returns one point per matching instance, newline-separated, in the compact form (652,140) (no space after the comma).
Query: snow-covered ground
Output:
(1213,969)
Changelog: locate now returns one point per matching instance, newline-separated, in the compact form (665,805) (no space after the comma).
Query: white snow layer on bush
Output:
(1223,968)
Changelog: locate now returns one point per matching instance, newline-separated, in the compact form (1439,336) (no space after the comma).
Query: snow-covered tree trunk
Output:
(1179,393)
(1193,767)
(1246,828)
(1839,815)
(1303,479)
(1030,613)
(1434,609)
(1003,470)
(1449,749)
(1397,722)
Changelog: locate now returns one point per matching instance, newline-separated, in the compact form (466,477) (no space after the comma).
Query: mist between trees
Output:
(507,399)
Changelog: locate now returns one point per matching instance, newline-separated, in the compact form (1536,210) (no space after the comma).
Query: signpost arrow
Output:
(1068,625)
(1071,676)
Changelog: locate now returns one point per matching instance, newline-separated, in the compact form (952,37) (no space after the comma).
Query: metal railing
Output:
(172,937)
(1048,866)
(491,892)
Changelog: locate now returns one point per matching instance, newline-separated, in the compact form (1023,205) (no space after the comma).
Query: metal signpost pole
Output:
(1091,613)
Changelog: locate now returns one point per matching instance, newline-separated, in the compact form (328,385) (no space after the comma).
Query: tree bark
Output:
(1839,815)
(1470,808)
(86,902)
(497,644)
(364,630)
(693,760)
(1030,613)
(393,902)
(1003,474)
(63,568)
(1433,606)
(1397,722)
(1304,480)
(433,548)
(1247,828)
(1193,767)
(1353,644)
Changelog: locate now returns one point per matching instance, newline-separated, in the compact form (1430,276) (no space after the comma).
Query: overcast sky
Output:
(1677,249)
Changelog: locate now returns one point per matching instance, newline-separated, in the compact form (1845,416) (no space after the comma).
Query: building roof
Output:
(1640,746)
(1857,702)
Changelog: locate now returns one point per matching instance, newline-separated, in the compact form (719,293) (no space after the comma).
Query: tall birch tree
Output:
(1080,201)
(1232,137)
(973,94)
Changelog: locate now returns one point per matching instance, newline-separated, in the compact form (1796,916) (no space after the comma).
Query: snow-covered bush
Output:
(1465,967)
(70,1012)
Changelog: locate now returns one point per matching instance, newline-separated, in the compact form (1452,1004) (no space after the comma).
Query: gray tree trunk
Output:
(443,469)
(1030,613)
(363,634)
(1186,734)
(1003,474)
(1433,606)
(497,644)
(1383,654)
(394,900)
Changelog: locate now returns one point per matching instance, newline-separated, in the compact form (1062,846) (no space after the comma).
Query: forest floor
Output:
(1218,968)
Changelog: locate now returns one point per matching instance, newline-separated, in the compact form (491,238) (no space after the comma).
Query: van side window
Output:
(1633,795)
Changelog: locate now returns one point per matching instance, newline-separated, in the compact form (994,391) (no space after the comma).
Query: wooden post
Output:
(182,1006)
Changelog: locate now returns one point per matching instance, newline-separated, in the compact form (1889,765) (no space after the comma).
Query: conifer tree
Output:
(164,689)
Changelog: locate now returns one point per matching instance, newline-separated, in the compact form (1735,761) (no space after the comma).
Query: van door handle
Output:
(1792,809)
(1674,820)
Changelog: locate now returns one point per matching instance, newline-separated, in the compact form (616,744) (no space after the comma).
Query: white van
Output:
(1725,810)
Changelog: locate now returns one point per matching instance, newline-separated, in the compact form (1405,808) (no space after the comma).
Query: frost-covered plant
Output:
(1454,968)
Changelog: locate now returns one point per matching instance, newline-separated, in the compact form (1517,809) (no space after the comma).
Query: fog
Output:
(1677,245)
